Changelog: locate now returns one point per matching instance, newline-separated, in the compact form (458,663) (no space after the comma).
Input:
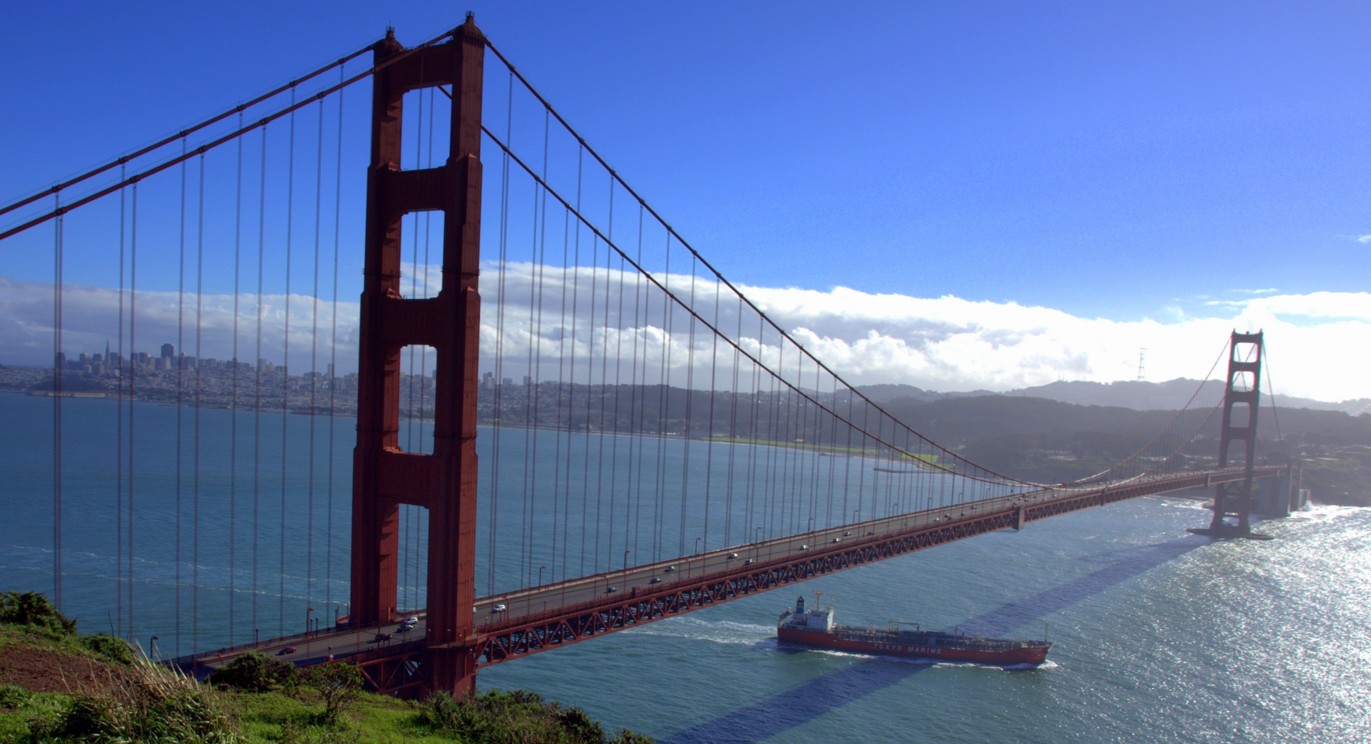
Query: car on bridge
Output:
(499,608)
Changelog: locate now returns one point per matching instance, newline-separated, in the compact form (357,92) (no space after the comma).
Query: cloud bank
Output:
(551,314)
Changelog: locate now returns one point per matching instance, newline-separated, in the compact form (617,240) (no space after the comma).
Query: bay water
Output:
(1158,635)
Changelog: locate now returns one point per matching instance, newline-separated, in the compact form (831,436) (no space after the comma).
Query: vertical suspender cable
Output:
(314,359)
(133,318)
(561,404)
(600,524)
(604,403)
(423,514)
(408,530)
(195,487)
(180,385)
(57,408)
(710,433)
(285,364)
(119,436)
(496,465)
(633,505)
(689,410)
(418,409)
(574,432)
(233,388)
(663,411)
(333,351)
(535,356)
(257,387)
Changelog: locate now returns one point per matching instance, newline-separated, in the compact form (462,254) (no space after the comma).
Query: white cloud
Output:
(1364,239)
(581,323)
(92,318)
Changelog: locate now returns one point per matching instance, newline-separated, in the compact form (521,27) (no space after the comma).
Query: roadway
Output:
(494,613)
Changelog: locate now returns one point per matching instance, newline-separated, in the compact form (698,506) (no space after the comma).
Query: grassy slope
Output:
(32,700)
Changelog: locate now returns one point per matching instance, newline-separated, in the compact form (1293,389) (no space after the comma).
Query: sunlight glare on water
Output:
(1155,631)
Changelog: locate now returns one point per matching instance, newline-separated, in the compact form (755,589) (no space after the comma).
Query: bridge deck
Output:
(536,619)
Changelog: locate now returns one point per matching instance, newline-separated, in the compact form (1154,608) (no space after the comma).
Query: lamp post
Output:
(540,575)
(152,646)
(308,611)
(697,545)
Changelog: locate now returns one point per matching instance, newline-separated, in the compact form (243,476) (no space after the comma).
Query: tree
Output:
(338,684)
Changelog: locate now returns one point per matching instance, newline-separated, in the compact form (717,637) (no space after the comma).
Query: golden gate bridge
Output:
(567,421)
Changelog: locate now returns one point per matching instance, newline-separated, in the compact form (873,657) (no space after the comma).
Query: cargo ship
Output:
(815,628)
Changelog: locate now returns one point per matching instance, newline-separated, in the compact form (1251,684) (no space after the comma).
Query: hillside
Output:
(1050,441)
(1172,395)
(57,685)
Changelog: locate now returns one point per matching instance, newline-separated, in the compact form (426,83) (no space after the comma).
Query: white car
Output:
(499,608)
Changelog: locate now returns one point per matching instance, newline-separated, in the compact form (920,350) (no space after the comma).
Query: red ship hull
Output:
(920,645)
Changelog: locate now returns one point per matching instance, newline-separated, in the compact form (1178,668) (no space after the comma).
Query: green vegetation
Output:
(29,616)
(830,449)
(58,686)
(518,716)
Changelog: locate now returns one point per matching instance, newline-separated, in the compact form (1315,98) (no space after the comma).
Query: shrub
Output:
(161,704)
(254,672)
(12,696)
(33,611)
(497,717)
(579,726)
(110,648)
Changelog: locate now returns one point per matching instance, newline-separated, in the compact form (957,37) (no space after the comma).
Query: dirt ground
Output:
(43,670)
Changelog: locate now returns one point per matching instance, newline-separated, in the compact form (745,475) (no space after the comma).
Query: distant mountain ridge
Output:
(1136,395)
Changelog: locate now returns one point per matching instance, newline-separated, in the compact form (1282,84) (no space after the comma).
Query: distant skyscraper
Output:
(168,351)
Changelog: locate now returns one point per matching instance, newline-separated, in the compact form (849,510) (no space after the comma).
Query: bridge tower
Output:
(384,475)
(1240,400)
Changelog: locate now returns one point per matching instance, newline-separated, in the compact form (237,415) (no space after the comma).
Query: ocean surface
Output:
(1158,635)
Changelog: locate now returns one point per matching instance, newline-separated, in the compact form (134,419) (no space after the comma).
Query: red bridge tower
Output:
(1240,400)
(385,476)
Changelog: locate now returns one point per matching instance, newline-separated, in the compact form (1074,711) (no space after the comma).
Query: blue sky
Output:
(1130,175)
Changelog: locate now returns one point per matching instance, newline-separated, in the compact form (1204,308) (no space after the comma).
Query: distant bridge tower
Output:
(1240,401)
(385,476)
